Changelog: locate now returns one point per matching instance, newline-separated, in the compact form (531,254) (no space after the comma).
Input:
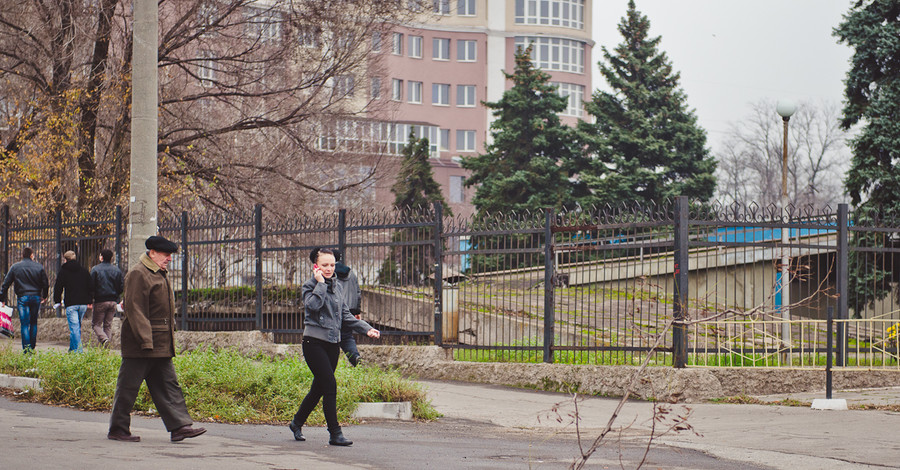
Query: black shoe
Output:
(119,436)
(297,430)
(337,438)
(185,432)
(354,359)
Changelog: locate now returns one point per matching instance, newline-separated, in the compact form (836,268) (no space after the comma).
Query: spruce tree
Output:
(645,144)
(872,100)
(528,162)
(415,193)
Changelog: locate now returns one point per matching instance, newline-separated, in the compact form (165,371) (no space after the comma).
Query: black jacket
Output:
(108,282)
(29,277)
(76,281)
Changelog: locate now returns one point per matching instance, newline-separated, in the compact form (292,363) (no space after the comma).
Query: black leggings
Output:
(322,358)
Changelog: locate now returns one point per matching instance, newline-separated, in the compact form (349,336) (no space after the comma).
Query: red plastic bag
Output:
(6,321)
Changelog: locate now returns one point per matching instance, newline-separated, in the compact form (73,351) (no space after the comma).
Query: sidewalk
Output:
(794,438)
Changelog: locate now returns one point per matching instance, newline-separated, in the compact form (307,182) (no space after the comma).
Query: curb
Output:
(21,383)
(384,410)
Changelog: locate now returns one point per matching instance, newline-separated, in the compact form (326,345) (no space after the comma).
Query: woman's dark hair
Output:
(314,254)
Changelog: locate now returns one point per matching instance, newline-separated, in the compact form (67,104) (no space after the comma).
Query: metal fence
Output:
(687,284)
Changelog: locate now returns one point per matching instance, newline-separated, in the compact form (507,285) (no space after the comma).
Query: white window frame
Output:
(465,8)
(553,53)
(444,143)
(206,69)
(376,41)
(465,96)
(414,92)
(457,190)
(465,140)
(416,44)
(574,93)
(466,50)
(396,89)
(441,7)
(397,43)
(440,48)
(564,13)
(375,90)
(440,94)
(264,23)
(344,85)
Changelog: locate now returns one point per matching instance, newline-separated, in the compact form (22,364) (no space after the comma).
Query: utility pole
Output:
(142,206)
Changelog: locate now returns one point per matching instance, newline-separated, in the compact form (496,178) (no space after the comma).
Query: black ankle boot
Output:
(337,438)
(297,430)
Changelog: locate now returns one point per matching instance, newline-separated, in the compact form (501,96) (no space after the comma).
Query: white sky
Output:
(732,53)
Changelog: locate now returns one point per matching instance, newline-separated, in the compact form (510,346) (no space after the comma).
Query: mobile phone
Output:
(315,266)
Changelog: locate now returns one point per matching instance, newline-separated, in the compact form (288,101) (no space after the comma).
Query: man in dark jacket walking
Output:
(352,296)
(108,286)
(148,346)
(32,287)
(76,281)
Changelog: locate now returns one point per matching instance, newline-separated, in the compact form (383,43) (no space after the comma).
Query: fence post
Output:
(843,281)
(184,270)
(679,338)
(4,232)
(549,313)
(257,227)
(438,274)
(58,250)
(342,235)
(119,236)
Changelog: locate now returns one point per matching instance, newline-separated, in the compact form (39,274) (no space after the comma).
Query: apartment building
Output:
(437,70)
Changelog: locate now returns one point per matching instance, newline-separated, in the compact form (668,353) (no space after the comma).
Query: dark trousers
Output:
(348,342)
(164,389)
(322,358)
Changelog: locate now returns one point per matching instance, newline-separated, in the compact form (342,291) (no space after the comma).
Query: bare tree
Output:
(750,162)
(247,91)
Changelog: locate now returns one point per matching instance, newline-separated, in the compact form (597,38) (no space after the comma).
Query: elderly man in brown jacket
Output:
(148,347)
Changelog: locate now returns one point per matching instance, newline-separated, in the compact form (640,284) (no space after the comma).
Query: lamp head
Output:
(785,108)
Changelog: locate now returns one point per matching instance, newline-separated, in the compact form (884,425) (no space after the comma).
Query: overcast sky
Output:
(732,53)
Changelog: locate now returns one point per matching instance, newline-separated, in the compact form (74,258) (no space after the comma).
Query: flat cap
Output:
(160,244)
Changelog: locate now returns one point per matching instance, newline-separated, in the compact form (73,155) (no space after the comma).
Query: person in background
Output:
(76,281)
(148,346)
(108,286)
(324,312)
(352,296)
(31,287)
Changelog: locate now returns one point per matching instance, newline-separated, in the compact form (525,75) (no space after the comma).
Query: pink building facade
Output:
(435,73)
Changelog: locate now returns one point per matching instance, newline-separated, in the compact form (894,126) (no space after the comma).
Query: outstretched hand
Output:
(373,333)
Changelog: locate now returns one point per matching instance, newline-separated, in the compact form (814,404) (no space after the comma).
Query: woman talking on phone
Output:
(323,313)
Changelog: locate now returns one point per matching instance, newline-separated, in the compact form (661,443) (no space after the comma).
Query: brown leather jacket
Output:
(149,326)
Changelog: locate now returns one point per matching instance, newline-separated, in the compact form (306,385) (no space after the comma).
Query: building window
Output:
(396,89)
(206,16)
(565,13)
(415,46)
(308,36)
(465,8)
(376,88)
(397,44)
(444,143)
(575,95)
(465,95)
(457,189)
(465,141)
(564,55)
(442,7)
(376,41)
(441,49)
(344,85)
(415,5)
(205,69)
(440,94)
(414,91)
(465,50)
(263,24)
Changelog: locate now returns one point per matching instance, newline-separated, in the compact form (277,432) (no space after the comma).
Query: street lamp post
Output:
(785,109)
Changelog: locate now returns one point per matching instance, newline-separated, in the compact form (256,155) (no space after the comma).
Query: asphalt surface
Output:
(484,427)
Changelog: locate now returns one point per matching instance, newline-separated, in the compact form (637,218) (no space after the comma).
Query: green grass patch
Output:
(220,386)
